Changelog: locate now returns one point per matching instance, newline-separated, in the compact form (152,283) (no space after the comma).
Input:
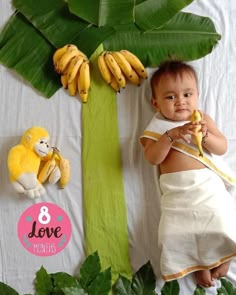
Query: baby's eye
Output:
(188,94)
(170,97)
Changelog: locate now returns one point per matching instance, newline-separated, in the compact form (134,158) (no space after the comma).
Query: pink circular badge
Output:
(44,229)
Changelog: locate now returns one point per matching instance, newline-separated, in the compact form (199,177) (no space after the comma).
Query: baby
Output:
(197,226)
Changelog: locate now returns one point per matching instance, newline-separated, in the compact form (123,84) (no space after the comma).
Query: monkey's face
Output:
(42,147)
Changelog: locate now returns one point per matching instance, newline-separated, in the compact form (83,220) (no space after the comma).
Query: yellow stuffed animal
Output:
(24,161)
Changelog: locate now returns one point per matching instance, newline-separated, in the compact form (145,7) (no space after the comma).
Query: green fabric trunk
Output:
(105,217)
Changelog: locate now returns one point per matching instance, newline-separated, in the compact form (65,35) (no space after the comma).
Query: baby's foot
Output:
(220,271)
(204,278)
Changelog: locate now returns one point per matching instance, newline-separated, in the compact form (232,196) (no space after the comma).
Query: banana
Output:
(60,51)
(113,66)
(55,175)
(123,63)
(65,59)
(134,78)
(135,63)
(83,81)
(104,69)
(65,172)
(197,139)
(47,169)
(114,84)
(122,81)
(72,87)
(73,67)
(64,81)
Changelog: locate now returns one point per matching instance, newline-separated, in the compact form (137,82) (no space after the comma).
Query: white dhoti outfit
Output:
(197,227)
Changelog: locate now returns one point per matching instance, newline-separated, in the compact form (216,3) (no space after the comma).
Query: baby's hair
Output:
(171,67)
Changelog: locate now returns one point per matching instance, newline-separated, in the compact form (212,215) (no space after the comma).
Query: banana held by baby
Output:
(196,117)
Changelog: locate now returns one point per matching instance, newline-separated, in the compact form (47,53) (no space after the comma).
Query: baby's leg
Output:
(220,271)
(204,278)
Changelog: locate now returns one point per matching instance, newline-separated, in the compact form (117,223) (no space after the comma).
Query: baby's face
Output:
(176,97)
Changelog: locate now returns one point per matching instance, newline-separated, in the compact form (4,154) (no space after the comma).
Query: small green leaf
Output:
(43,282)
(122,286)
(101,284)
(226,288)
(144,280)
(73,291)
(7,290)
(199,291)
(89,269)
(62,279)
(170,288)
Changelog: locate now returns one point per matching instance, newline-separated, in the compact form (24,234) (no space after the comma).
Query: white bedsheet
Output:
(22,107)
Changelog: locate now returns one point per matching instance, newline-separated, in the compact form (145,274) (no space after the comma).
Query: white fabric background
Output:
(22,107)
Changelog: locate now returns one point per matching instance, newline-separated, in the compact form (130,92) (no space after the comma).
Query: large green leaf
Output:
(61,27)
(25,50)
(104,12)
(186,36)
(152,14)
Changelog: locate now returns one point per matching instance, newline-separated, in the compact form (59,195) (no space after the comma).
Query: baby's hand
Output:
(182,132)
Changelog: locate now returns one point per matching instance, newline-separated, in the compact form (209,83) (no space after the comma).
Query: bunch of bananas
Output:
(118,67)
(73,66)
(55,169)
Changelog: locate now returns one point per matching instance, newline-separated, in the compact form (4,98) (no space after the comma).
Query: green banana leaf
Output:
(186,36)
(103,12)
(60,27)
(51,24)
(146,15)
(152,14)
(29,59)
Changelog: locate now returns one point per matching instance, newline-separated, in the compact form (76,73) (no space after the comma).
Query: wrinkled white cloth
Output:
(197,226)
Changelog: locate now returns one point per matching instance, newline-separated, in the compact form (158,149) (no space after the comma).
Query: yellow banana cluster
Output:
(73,66)
(55,169)
(118,67)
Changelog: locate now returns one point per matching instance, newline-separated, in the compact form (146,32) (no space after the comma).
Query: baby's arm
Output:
(213,140)
(156,151)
